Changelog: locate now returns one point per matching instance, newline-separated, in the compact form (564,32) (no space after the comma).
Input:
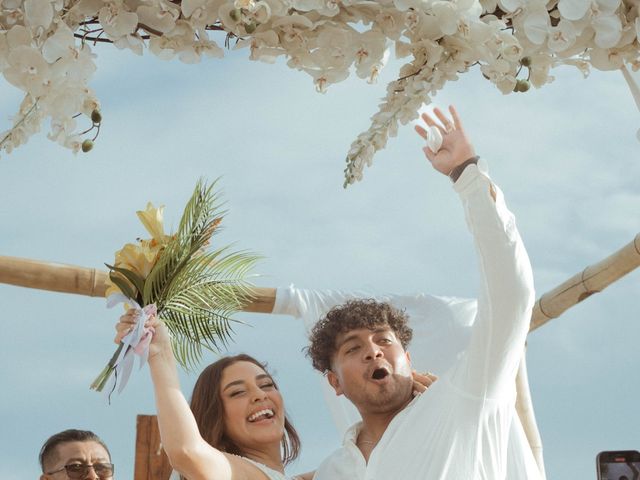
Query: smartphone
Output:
(618,465)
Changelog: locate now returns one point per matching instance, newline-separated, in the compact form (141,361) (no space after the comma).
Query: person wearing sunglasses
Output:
(77,455)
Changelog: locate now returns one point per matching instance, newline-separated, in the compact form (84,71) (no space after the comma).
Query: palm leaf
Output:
(197,225)
(197,292)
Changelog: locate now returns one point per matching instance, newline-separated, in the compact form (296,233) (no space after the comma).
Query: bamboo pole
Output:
(90,281)
(59,277)
(56,277)
(592,279)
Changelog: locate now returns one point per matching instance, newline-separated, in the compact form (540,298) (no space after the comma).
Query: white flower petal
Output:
(562,36)
(604,59)
(38,13)
(573,9)
(59,44)
(88,8)
(608,30)
(117,23)
(162,20)
(536,26)
(510,6)
(18,36)
(447,17)
(27,70)
(608,6)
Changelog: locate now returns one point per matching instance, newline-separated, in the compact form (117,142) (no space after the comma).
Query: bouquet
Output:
(194,291)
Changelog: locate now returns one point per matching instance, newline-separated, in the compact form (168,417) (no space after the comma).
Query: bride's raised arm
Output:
(188,452)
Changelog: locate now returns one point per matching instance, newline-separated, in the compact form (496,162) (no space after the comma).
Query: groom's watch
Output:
(456,172)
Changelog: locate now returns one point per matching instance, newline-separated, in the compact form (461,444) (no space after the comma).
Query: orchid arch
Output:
(45,49)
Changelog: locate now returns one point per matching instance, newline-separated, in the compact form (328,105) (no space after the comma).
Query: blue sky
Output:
(566,157)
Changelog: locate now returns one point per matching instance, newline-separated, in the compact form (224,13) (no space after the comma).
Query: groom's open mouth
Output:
(380,373)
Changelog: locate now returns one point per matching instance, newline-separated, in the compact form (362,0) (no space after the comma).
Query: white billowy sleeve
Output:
(506,296)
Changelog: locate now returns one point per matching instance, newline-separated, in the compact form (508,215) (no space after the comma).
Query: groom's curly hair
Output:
(355,314)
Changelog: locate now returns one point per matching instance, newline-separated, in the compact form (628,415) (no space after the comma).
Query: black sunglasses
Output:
(79,471)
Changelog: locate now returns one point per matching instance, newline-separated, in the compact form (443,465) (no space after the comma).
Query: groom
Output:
(459,428)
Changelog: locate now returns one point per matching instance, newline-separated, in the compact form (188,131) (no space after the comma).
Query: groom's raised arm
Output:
(506,295)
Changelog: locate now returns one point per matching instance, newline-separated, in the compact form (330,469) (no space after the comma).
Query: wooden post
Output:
(151,461)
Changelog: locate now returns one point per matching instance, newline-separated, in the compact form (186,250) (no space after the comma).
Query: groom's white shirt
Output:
(464,427)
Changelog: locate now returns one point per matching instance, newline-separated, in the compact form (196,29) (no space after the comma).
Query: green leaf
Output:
(122,284)
(133,277)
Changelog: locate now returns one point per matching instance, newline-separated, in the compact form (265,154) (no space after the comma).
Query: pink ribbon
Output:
(135,343)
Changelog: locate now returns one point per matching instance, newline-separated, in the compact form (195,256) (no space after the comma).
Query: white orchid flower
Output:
(38,13)
(28,70)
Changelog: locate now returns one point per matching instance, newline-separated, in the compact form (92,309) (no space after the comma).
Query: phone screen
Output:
(619,466)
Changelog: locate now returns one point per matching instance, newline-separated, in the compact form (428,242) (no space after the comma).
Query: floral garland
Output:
(45,48)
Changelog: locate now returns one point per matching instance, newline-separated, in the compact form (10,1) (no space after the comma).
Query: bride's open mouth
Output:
(264,414)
